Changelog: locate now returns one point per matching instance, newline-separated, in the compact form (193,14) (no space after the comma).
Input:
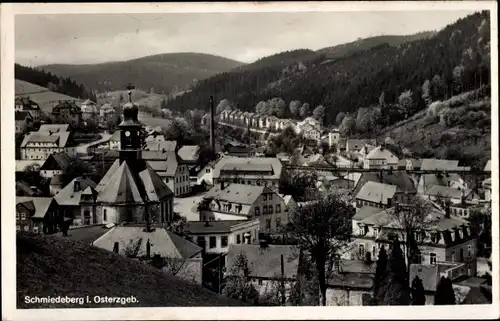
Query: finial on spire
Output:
(130,87)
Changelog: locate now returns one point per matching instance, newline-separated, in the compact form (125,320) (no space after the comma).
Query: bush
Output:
(435,108)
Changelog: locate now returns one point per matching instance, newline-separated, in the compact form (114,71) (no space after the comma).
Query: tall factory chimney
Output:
(212,124)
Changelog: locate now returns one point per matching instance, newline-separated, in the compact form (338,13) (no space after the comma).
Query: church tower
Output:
(130,133)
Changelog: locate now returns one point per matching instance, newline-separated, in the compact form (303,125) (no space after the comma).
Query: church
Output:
(131,191)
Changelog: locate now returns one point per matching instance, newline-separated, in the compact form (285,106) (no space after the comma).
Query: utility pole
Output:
(283,296)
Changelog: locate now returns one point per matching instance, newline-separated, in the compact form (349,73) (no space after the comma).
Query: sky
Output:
(246,37)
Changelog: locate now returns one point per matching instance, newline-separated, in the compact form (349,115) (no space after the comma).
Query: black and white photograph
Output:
(250,155)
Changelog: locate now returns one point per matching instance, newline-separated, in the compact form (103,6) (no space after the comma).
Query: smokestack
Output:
(212,124)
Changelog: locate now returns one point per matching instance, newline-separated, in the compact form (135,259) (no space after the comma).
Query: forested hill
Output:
(52,82)
(163,73)
(456,58)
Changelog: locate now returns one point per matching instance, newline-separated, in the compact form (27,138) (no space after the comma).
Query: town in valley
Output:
(356,175)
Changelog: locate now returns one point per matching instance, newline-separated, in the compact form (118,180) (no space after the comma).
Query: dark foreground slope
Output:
(52,266)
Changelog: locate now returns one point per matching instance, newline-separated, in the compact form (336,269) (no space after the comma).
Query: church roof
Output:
(120,185)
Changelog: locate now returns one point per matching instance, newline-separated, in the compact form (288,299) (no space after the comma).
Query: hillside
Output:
(45,98)
(50,265)
(456,57)
(162,73)
(458,128)
(350,48)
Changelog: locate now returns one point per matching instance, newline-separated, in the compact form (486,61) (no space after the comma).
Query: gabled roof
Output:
(162,242)
(401,179)
(365,212)
(40,205)
(359,143)
(66,104)
(60,138)
(24,189)
(216,227)
(69,197)
(488,166)
(416,162)
(381,152)
(444,191)
(250,163)
(376,192)
(429,164)
(88,102)
(57,161)
(265,262)
(167,145)
(51,128)
(237,193)
(167,166)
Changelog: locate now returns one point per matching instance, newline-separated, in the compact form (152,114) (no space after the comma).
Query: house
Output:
(89,109)
(267,264)
(409,164)
(164,146)
(400,179)
(214,237)
(67,112)
(487,167)
(24,189)
(239,150)
(23,121)
(56,184)
(37,215)
(77,201)
(27,105)
(309,132)
(333,137)
(487,189)
(173,171)
(351,283)
(452,180)
(355,145)
(205,174)
(432,164)
(377,195)
(54,128)
(184,258)
(39,145)
(189,154)
(106,113)
(258,171)
(380,157)
(55,164)
(245,202)
(444,238)
(455,195)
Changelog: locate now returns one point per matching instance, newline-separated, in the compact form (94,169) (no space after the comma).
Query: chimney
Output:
(207,223)
(212,124)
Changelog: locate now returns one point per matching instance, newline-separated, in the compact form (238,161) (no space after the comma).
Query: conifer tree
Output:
(380,273)
(396,288)
(417,292)
(445,295)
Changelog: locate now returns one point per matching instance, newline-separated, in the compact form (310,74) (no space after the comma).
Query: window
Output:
(265,195)
(223,241)
(268,224)
(374,250)
(18,228)
(270,197)
(26,228)
(238,239)
(207,170)
(104,215)
(361,250)
(278,222)
(260,281)
(212,242)
(23,216)
(469,251)
(257,211)
(461,255)
(418,259)
(17,216)
(375,232)
(270,209)
(432,258)
(278,208)
(35,229)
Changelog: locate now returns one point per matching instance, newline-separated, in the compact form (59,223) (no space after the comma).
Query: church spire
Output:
(130,131)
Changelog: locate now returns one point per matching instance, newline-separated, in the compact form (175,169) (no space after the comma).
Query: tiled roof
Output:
(167,145)
(208,227)
(24,189)
(438,164)
(381,152)
(488,166)
(444,191)
(68,196)
(376,192)
(266,262)
(62,160)
(237,193)
(40,204)
(189,152)
(430,180)
(359,143)
(250,164)
(353,280)
(365,212)
(56,180)
(67,104)
(416,162)
(51,128)
(36,137)
(162,241)
(401,179)
(120,185)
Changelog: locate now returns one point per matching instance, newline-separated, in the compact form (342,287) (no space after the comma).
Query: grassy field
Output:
(45,98)
(55,266)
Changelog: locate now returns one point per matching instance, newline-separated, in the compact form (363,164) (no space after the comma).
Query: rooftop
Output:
(376,192)
(215,227)
(250,164)
(40,205)
(237,193)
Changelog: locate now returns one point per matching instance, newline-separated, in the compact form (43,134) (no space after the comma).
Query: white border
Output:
(297,313)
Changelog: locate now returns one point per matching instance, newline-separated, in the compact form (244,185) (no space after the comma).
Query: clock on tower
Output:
(130,131)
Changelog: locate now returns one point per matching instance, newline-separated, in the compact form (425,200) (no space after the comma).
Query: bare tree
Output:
(320,235)
(131,250)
